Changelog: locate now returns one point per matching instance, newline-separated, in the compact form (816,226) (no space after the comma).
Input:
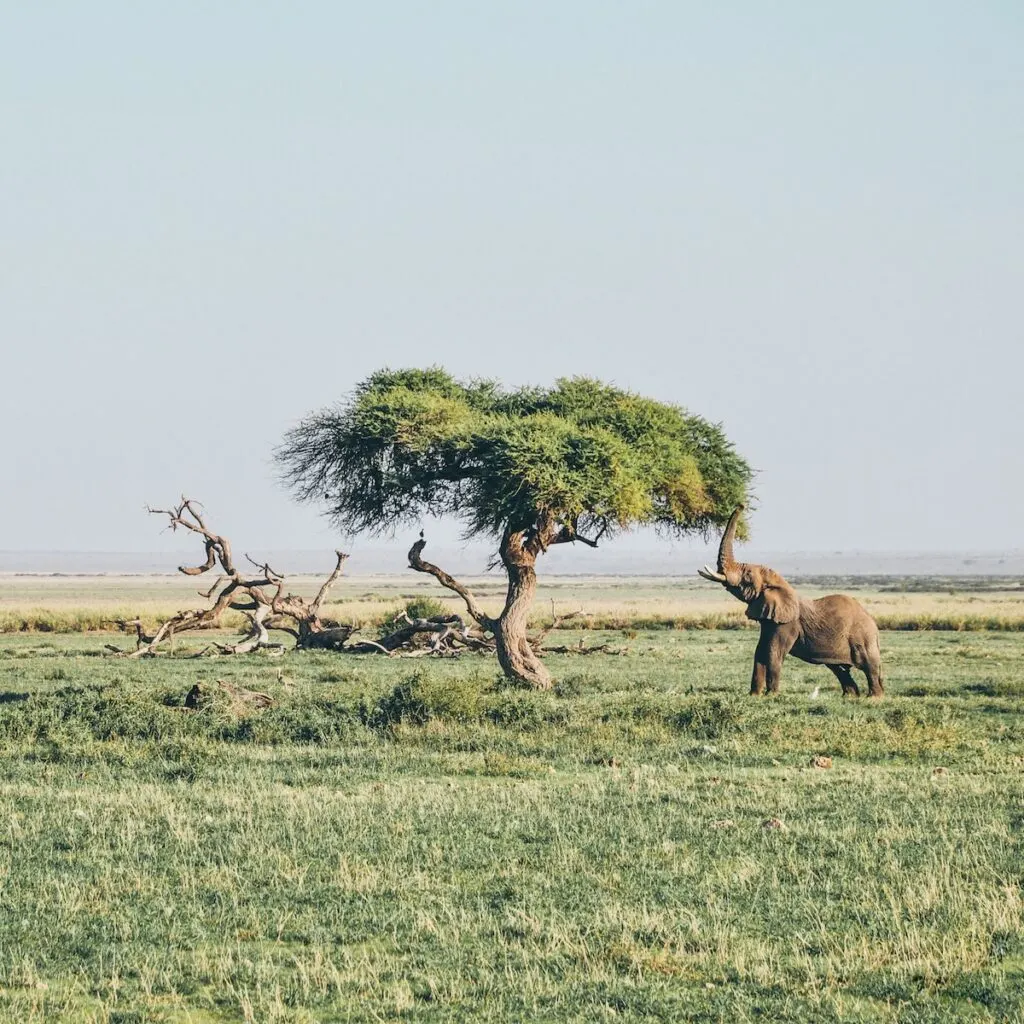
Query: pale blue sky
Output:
(803,220)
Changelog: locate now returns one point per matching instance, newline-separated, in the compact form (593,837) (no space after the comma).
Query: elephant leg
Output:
(774,674)
(772,648)
(873,670)
(846,680)
(869,661)
(758,679)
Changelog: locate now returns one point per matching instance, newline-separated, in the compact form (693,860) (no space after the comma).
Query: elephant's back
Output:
(841,608)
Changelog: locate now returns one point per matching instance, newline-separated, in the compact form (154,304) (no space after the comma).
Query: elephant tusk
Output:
(709,574)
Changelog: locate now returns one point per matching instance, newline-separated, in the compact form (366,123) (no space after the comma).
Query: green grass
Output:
(414,841)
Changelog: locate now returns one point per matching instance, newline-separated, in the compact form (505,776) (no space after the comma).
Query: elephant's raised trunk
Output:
(725,555)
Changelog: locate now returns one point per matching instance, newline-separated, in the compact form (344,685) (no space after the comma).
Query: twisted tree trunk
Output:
(518,553)
(516,655)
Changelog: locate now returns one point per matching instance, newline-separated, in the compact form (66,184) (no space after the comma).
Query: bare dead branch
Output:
(556,623)
(417,562)
(369,647)
(186,515)
(329,582)
(580,648)
(141,637)
(441,624)
(264,567)
(198,570)
(209,593)
(234,700)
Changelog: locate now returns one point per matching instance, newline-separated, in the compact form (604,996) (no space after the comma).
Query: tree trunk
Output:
(518,552)
(517,658)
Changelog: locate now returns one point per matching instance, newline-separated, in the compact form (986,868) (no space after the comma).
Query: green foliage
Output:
(425,696)
(582,453)
(425,608)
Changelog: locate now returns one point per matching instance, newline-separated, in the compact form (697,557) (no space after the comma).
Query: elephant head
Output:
(767,595)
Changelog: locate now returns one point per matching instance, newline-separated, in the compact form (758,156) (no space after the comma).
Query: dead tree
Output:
(259,596)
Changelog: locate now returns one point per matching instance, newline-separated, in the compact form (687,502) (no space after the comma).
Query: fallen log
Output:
(227,698)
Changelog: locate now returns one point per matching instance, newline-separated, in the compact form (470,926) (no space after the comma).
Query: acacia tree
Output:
(528,468)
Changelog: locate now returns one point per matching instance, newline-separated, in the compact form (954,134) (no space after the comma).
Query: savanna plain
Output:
(397,839)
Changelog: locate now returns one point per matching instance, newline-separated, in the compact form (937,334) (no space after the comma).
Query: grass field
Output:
(398,840)
(71,604)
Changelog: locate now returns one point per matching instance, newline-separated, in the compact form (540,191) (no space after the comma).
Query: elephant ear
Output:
(777,602)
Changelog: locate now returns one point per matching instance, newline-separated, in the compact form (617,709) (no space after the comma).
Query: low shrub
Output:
(424,696)
(83,713)
(520,710)
(573,686)
(707,717)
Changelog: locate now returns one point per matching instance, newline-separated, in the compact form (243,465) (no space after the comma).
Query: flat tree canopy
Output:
(529,468)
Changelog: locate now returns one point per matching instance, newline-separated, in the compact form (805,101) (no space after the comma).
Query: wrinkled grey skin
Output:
(835,631)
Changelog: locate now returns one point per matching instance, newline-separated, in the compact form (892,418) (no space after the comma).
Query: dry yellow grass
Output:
(95,603)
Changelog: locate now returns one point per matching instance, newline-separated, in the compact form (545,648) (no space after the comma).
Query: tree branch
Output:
(416,562)
(261,598)
(329,582)
(209,593)
(217,548)
(271,575)
(568,535)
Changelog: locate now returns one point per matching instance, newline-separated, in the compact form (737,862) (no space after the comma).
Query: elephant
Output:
(835,631)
